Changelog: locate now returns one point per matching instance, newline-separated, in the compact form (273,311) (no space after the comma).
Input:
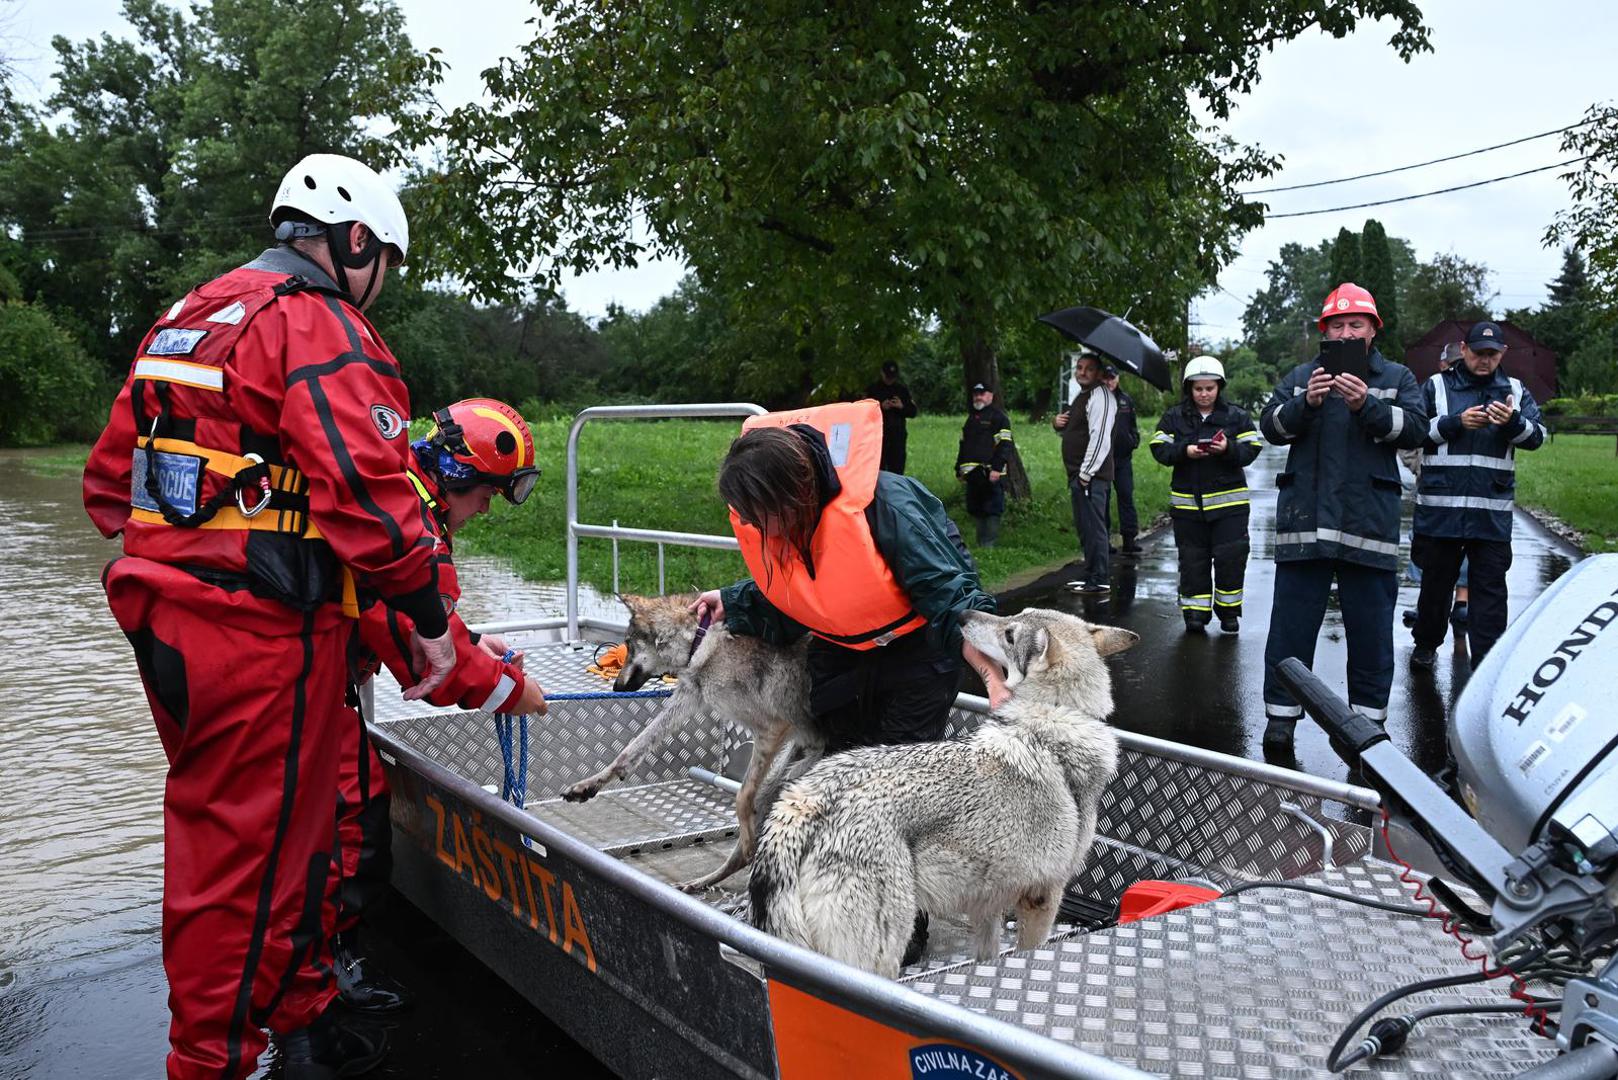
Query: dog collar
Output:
(702,632)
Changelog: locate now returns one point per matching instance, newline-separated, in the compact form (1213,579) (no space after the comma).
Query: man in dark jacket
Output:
(981,461)
(1337,514)
(897,407)
(1464,499)
(1086,428)
(1125,438)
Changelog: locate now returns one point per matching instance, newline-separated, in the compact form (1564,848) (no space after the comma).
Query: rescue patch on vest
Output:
(387,421)
(175,342)
(838,437)
(230,315)
(179,478)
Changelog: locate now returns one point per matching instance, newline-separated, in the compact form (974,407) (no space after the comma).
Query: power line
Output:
(1426,194)
(1418,165)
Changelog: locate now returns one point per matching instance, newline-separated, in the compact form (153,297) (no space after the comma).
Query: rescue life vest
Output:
(206,491)
(851,598)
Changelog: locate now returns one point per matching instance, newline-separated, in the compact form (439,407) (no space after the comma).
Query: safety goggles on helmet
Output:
(483,441)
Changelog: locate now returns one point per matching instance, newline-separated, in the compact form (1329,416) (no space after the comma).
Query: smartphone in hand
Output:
(1348,356)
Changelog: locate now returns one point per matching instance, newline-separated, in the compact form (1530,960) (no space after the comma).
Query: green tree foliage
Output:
(1591,224)
(837,173)
(1376,274)
(1345,257)
(53,390)
(1446,287)
(152,166)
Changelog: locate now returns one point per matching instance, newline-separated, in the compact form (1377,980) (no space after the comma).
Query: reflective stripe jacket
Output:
(479,681)
(1208,487)
(1339,493)
(1468,478)
(268,359)
(985,441)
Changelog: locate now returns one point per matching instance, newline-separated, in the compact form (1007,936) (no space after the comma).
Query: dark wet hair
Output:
(769,474)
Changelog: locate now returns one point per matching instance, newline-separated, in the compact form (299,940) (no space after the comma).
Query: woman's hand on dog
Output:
(709,604)
(989,672)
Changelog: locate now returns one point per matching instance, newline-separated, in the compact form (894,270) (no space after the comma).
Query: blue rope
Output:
(514,782)
(601,695)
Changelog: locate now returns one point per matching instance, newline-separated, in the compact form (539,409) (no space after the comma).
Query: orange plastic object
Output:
(1147,898)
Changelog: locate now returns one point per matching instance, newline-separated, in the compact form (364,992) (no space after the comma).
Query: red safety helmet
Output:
(1349,299)
(484,441)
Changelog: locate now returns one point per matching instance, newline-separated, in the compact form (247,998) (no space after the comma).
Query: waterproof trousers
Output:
(901,692)
(1440,560)
(1213,564)
(1090,523)
(1367,597)
(363,860)
(1123,483)
(247,696)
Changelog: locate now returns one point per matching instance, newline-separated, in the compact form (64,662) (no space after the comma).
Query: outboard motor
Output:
(1535,740)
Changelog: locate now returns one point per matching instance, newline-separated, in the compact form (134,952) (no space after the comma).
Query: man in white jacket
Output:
(1086,430)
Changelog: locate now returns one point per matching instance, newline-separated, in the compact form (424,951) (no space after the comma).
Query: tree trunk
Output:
(979,365)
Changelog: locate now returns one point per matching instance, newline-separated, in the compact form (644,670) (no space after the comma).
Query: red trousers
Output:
(363,860)
(247,696)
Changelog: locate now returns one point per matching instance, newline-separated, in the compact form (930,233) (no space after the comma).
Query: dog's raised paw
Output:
(583,791)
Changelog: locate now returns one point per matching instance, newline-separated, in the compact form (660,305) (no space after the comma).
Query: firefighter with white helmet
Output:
(1337,514)
(254,466)
(1208,442)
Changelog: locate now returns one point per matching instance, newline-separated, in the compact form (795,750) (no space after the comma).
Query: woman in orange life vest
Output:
(866,561)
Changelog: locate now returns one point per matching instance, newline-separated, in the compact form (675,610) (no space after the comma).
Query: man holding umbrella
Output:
(1086,427)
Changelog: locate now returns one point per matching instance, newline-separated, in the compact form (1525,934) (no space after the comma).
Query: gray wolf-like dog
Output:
(762,687)
(999,820)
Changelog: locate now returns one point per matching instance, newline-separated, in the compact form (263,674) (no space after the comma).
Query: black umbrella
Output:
(1115,339)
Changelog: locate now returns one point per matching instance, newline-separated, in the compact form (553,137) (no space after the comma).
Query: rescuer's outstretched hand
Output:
(435,657)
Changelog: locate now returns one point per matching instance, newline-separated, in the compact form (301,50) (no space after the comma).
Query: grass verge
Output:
(1575,478)
(660,474)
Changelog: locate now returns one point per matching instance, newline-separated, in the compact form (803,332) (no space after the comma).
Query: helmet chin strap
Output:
(343,260)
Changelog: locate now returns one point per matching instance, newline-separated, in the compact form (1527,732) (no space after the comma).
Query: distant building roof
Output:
(1526,358)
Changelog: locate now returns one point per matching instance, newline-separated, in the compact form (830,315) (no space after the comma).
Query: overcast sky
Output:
(1500,70)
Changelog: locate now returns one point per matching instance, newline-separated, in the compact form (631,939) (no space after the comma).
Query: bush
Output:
(1582,405)
(53,390)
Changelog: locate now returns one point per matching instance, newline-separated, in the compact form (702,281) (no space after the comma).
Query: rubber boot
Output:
(328,1048)
(1278,733)
(990,530)
(359,984)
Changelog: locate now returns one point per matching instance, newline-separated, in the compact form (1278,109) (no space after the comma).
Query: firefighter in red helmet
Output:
(254,465)
(1337,514)
(477,448)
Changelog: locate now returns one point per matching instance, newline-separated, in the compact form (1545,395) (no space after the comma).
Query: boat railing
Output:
(616,532)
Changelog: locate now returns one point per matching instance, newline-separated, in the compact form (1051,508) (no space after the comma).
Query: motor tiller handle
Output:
(1349,731)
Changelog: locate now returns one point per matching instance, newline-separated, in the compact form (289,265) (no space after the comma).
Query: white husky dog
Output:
(999,820)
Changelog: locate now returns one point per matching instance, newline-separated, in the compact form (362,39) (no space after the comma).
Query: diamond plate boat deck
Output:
(1257,985)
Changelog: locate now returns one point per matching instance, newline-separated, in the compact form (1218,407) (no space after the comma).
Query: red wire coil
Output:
(1451,926)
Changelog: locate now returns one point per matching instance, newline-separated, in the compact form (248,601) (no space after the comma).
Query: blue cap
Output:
(1486,335)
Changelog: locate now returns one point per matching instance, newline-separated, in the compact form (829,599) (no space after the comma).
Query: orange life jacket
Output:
(852,598)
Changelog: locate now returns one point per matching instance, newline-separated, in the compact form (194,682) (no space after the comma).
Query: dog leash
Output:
(702,632)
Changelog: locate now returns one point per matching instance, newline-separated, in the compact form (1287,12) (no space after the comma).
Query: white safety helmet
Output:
(332,189)
(1204,367)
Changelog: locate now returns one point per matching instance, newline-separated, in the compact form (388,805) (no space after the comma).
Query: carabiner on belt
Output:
(263,485)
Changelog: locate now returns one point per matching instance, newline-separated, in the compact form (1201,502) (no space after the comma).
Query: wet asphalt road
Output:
(1207,689)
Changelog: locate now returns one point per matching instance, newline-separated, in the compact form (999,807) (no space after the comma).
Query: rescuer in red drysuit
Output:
(478,448)
(254,463)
